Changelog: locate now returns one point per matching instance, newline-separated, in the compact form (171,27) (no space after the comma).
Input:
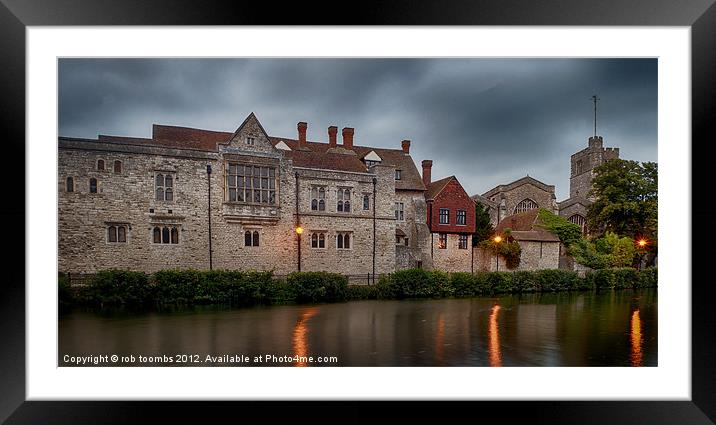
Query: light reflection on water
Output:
(564,329)
(636,354)
(494,338)
(300,335)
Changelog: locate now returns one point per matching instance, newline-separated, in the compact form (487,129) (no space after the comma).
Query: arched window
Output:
(165,235)
(247,238)
(525,205)
(251,238)
(117,234)
(344,200)
(100,164)
(112,234)
(256,238)
(366,202)
(175,235)
(580,221)
(157,235)
(121,234)
(314,240)
(93,185)
(70,184)
(580,167)
(164,187)
(318,198)
(117,166)
(343,241)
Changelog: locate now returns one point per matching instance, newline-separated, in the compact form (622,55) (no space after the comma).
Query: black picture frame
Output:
(16,15)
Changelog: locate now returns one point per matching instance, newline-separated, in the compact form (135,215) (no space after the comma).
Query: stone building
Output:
(583,163)
(521,195)
(191,198)
(451,219)
(541,249)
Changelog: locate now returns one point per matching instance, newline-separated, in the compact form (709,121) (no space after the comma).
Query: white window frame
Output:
(447,215)
(340,235)
(457,217)
(400,211)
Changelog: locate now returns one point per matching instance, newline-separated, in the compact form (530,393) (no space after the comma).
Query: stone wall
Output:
(417,252)
(512,197)
(128,199)
(451,259)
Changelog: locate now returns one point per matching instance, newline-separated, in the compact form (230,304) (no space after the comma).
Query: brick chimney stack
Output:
(302,127)
(332,135)
(427,168)
(406,146)
(348,138)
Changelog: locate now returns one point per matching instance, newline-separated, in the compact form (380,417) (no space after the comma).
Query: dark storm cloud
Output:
(487,121)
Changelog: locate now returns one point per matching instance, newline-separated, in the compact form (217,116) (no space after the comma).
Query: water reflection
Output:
(636,339)
(440,340)
(300,335)
(567,329)
(493,332)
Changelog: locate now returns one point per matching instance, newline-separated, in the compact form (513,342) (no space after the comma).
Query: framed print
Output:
(175,174)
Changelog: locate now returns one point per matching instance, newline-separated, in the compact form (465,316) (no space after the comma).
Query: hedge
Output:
(119,287)
(421,284)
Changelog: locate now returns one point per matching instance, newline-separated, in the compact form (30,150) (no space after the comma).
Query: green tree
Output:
(483,228)
(626,199)
(567,232)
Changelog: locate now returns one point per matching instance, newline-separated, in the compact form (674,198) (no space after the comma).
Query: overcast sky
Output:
(487,121)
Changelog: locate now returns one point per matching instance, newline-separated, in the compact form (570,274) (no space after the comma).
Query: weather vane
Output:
(595,99)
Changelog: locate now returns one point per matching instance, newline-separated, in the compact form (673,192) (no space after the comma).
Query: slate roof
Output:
(318,155)
(526,227)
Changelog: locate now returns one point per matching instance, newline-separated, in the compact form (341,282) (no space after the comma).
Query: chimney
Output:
(348,138)
(332,134)
(427,168)
(302,127)
(406,146)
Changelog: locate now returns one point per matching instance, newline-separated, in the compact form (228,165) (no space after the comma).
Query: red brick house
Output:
(451,220)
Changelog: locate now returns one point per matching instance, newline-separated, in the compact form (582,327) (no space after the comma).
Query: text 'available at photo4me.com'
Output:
(193,360)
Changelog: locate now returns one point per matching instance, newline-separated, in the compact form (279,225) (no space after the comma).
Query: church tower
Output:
(584,162)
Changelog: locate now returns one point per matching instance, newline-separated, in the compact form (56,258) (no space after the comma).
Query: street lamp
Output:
(497,240)
(299,230)
(642,243)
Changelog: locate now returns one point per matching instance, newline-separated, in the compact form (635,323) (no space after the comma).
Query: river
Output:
(612,328)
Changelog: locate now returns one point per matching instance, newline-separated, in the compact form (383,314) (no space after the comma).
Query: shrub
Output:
(499,282)
(119,287)
(362,292)
(441,285)
(318,286)
(648,278)
(411,283)
(463,284)
(525,281)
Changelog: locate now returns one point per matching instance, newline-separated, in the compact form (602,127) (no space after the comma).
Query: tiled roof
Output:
(434,188)
(519,182)
(526,226)
(316,156)
(574,200)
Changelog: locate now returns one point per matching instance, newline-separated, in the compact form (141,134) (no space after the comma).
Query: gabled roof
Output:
(519,182)
(484,201)
(316,156)
(434,188)
(574,200)
(526,226)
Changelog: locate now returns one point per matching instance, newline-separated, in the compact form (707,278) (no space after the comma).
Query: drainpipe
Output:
(298,221)
(375,181)
(208,177)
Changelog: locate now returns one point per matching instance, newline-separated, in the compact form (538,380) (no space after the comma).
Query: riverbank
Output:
(186,287)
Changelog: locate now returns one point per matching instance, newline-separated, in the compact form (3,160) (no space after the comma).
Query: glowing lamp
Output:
(642,243)
(299,230)
(498,239)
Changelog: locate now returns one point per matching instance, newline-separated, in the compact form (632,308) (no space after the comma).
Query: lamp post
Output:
(299,231)
(642,243)
(497,240)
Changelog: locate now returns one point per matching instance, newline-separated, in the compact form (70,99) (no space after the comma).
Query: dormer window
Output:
(372,159)
(250,141)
